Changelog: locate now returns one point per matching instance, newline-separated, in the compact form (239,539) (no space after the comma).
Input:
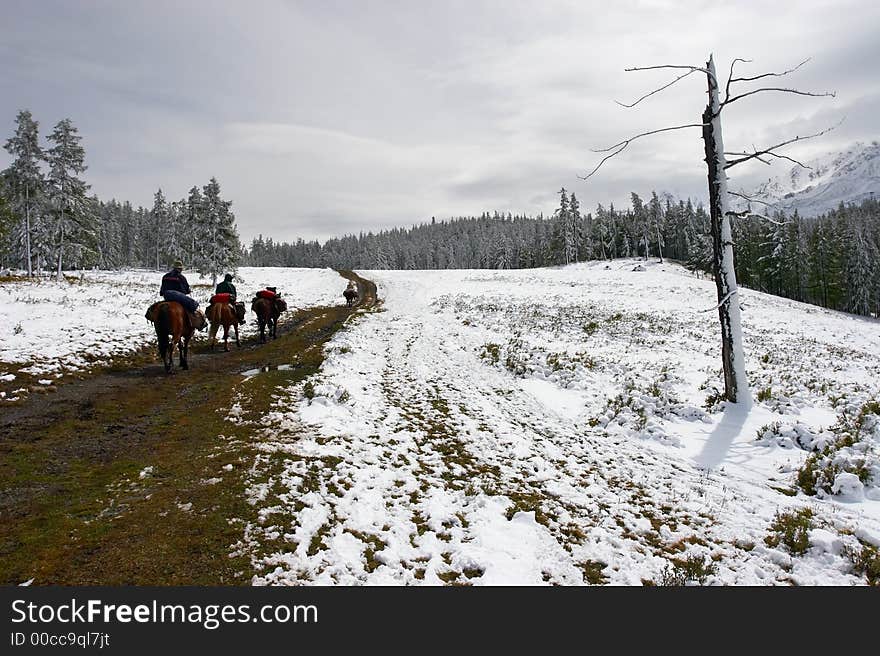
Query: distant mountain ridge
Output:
(848,176)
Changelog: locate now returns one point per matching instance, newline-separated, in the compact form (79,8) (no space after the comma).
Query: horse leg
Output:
(184,348)
(235,328)
(167,356)
(169,364)
(163,347)
(213,334)
(226,337)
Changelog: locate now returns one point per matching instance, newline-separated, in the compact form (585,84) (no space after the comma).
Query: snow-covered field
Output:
(559,426)
(50,328)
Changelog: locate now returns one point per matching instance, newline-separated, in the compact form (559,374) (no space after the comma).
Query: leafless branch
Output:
(730,77)
(651,68)
(832,94)
(791,159)
(763,75)
(742,154)
(756,215)
(776,155)
(749,198)
(621,145)
(721,302)
(773,221)
(769,151)
(665,86)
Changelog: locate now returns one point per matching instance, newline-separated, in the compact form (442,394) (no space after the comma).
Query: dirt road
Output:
(135,477)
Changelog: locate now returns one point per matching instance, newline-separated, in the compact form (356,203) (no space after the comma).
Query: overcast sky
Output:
(323,118)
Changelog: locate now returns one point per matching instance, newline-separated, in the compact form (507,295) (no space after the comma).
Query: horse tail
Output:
(163,328)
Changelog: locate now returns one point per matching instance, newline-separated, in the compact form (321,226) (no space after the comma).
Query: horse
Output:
(170,318)
(268,311)
(222,314)
(350,296)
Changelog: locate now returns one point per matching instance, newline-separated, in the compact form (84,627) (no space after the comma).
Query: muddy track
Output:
(131,476)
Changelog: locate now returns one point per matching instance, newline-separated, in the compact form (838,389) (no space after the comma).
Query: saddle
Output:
(151,312)
(197,320)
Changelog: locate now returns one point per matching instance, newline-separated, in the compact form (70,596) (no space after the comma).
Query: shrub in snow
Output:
(791,436)
(637,407)
(682,571)
(791,529)
(866,561)
(848,487)
(855,450)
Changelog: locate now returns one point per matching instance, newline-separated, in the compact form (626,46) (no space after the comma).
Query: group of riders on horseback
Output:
(178,316)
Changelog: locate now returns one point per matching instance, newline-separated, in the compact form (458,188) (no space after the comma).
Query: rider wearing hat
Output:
(226,287)
(176,288)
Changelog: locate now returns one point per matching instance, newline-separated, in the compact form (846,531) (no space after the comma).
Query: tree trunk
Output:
(61,246)
(27,229)
(659,241)
(736,388)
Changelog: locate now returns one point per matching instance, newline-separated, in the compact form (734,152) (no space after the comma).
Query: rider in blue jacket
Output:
(176,288)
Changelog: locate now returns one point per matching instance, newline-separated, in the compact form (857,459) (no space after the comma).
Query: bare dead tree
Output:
(736,388)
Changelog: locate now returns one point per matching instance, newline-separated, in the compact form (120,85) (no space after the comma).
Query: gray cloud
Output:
(332,117)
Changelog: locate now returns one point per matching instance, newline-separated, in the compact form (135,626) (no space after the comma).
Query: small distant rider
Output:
(350,293)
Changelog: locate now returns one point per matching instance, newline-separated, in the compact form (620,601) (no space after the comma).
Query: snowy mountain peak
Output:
(849,176)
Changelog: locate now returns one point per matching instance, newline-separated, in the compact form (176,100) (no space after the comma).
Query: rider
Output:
(268,292)
(350,292)
(176,288)
(226,287)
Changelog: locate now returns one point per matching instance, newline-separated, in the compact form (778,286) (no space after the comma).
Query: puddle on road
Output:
(250,373)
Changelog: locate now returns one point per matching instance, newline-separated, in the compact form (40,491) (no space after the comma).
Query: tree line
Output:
(49,222)
(502,240)
(832,260)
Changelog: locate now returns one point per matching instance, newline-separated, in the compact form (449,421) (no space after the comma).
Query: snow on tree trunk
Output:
(736,388)
(659,241)
(27,231)
(61,246)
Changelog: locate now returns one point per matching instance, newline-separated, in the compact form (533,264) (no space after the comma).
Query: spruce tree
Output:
(219,245)
(74,228)
(25,188)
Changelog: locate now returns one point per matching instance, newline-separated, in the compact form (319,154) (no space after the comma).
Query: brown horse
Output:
(170,318)
(222,314)
(268,311)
